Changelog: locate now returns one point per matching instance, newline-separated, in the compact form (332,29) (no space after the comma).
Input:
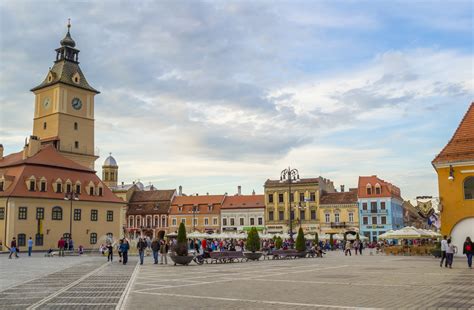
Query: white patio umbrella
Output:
(309,236)
(338,237)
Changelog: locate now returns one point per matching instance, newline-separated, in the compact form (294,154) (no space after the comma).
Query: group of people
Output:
(448,249)
(158,247)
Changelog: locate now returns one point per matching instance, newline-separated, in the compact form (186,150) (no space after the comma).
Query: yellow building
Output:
(455,168)
(339,212)
(49,189)
(305,195)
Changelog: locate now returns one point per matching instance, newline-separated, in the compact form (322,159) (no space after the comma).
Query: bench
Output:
(226,257)
(284,254)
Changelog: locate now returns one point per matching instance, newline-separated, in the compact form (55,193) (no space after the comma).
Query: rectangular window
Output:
(252,221)
(32,186)
(1,186)
(302,214)
(110,216)
(301,196)
(312,196)
(68,188)
(241,221)
(76,144)
(78,188)
(260,221)
(130,220)
(93,238)
(365,220)
(281,215)
(95,215)
(382,205)
(364,206)
(2,213)
(22,213)
(206,221)
(183,221)
(374,220)
(377,190)
(43,186)
(280,198)
(351,217)
(195,222)
(336,217)
(173,222)
(373,207)
(313,214)
(100,191)
(369,190)
(270,215)
(45,125)
(39,239)
(214,221)
(270,198)
(224,222)
(21,239)
(327,217)
(91,191)
(40,213)
(292,197)
(77,214)
(232,222)
(383,220)
(59,188)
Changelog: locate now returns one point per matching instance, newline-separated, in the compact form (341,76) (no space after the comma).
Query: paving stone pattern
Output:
(335,281)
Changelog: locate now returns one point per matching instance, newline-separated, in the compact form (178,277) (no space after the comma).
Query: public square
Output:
(335,281)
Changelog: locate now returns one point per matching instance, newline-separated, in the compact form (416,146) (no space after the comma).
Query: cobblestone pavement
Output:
(86,283)
(335,281)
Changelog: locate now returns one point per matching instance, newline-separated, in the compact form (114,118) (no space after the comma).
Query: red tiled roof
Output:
(198,200)
(387,189)
(51,165)
(461,145)
(338,198)
(153,195)
(244,202)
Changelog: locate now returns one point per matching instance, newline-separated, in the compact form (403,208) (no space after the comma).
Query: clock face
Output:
(76,103)
(46,102)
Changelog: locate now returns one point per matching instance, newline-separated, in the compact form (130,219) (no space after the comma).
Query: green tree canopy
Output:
(300,242)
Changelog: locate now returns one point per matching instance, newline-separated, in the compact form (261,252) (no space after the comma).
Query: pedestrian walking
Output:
(141,246)
(348,248)
(71,245)
(155,247)
(110,252)
(164,252)
(468,250)
(450,250)
(61,246)
(13,248)
(124,247)
(444,244)
(119,250)
(361,247)
(30,246)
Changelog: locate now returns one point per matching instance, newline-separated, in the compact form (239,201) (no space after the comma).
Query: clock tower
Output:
(64,107)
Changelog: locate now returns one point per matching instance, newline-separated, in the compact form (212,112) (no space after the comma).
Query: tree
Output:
(300,242)
(316,238)
(278,242)
(182,241)
(253,240)
(331,241)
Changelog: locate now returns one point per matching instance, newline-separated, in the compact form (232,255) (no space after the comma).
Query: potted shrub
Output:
(331,241)
(253,245)
(300,243)
(316,239)
(278,242)
(179,253)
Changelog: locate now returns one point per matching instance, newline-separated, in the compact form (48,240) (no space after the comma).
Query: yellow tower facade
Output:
(110,172)
(64,107)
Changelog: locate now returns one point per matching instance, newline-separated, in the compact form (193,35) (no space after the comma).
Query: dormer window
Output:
(43,186)
(369,189)
(210,207)
(180,209)
(100,191)
(59,188)
(377,189)
(68,188)
(1,186)
(91,190)
(76,78)
(78,188)
(32,186)
(50,77)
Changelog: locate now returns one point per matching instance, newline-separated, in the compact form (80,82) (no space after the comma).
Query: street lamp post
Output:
(71,196)
(291,176)
(194,210)
(300,207)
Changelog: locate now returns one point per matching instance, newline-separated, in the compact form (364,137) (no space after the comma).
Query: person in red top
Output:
(61,245)
(204,244)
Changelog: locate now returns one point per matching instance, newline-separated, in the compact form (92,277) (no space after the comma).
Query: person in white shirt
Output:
(450,250)
(444,244)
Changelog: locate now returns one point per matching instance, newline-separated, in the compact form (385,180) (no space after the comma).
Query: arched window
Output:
(378,190)
(131,220)
(57,214)
(469,188)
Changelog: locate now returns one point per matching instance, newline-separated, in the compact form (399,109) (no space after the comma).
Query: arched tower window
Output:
(469,188)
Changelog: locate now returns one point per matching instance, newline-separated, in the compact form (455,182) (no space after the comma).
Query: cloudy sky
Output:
(213,94)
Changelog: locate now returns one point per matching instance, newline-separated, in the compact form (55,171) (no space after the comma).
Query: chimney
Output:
(180,191)
(123,183)
(253,192)
(32,147)
(342,188)
(1,151)
(239,190)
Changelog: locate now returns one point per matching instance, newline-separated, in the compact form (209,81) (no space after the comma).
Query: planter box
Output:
(301,254)
(181,260)
(253,255)
(436,252)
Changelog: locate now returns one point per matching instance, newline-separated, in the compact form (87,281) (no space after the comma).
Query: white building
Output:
(241,212)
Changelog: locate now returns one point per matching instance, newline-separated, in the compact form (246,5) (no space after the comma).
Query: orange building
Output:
(455,168)
(198,213)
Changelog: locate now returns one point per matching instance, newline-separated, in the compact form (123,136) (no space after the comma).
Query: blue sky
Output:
(215,94)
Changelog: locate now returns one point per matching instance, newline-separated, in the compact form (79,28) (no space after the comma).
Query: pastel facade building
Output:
(339,212)
(380,207)
(242,212)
